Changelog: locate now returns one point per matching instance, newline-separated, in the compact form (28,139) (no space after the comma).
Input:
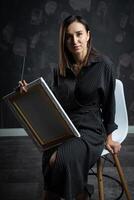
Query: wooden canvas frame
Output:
(41,115)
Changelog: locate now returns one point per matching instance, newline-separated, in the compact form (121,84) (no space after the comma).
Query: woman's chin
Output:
(77,51)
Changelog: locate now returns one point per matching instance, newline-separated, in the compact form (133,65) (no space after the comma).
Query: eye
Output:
(67,37)
(79,34)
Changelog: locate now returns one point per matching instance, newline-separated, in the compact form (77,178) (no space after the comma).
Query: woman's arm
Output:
(109,111)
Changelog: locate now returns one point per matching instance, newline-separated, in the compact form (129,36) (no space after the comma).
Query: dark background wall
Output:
(29,32)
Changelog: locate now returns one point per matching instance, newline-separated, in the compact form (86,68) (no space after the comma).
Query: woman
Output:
(84,85)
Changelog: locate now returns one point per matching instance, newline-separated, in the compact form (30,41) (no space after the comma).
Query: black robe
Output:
(89,101)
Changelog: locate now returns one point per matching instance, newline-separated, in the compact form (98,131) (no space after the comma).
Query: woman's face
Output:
(77,38)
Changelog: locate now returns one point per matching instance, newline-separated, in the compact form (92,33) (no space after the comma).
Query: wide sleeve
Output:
(51,77)
(55,82)
(108,109)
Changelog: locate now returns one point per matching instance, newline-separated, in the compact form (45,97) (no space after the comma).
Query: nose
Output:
(74,39)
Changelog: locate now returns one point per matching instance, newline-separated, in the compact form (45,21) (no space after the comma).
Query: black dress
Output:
(89,101)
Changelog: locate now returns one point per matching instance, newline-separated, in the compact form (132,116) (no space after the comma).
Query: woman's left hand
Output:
(112,146)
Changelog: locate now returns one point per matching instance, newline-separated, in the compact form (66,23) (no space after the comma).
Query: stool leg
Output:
(121,175)
(100,179)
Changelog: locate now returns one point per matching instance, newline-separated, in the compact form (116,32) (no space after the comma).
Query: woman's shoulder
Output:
(98,57)
(106,63)
(106,60)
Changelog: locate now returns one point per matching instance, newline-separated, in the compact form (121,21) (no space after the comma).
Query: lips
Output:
(76,47)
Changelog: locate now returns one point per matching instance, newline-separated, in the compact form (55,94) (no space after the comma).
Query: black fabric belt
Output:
(85,108)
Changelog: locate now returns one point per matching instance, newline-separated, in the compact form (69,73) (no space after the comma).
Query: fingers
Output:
(115,147)
(109,148)
(23,86)
(23,83)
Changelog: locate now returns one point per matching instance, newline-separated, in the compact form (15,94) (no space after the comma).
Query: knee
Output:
(52,159)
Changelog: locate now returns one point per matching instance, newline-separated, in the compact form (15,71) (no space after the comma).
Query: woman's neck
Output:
(80,57)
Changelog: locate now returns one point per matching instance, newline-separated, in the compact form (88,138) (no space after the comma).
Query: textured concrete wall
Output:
(29,35)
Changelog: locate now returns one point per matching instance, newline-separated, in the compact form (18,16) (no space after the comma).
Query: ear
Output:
(88,36)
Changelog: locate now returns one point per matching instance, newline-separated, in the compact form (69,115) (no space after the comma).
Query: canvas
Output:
(41,115)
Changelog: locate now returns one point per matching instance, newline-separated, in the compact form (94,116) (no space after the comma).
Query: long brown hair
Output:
(65,56)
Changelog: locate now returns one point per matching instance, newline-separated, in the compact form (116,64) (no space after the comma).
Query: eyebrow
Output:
(75,32)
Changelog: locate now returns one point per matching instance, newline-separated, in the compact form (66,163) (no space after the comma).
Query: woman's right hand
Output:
(23,86)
